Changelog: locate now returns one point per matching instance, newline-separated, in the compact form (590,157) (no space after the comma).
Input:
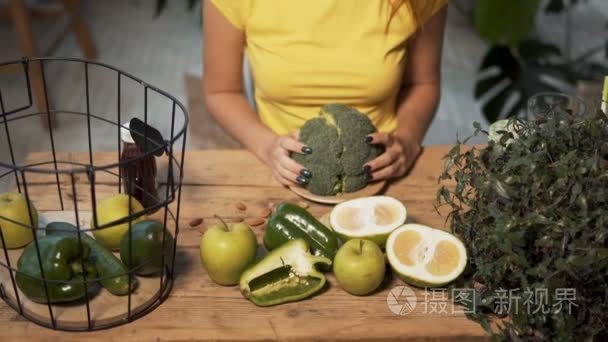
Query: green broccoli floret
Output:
(353,183)
(356,151)
(337,138)
(323,163)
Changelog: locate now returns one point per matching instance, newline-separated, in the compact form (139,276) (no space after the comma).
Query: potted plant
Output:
(518,63)
(531,208)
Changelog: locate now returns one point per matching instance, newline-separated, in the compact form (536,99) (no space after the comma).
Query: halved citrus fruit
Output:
(425,257)
(372,218)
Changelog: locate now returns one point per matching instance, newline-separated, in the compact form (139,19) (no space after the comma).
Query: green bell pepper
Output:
(291,222)
(146,247)
(113,273)
(286,274)
(62,265)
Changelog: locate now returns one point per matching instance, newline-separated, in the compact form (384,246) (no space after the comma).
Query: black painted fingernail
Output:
(302,180)
(369,177)
(306,150)
(367,169)
(306,173)
(368,139)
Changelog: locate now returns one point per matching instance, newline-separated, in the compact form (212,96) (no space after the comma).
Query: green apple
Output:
(359,266)
(112,209)
(227,249)
(13,206)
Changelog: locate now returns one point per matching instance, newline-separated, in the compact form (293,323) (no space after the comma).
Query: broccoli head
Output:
(337,138)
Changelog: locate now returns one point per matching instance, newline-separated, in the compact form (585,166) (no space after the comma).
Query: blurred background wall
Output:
(161,43)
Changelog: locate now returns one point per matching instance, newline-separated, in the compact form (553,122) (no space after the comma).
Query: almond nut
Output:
(265,212)
(303,204)
(255,221)
(240,206)
(196,222)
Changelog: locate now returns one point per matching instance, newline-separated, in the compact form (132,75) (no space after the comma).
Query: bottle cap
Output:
(605,94)
(125,133)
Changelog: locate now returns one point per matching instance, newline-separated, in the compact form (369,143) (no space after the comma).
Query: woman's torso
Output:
(304,54)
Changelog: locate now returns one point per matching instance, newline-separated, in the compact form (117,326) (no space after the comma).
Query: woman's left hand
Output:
(397,159)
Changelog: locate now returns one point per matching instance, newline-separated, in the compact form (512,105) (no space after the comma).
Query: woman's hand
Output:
(397,159)
(285,169)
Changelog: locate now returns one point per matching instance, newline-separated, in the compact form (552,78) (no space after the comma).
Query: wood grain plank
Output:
(240,168)
(198,309)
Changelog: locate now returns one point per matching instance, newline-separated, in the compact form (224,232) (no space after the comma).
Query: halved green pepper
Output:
(286,274)
(62,265)
(291,222)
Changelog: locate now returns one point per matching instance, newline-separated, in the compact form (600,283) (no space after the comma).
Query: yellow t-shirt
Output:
(307,53)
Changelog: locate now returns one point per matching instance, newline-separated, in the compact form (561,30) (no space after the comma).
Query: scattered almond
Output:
(304,204)
(255,221)
(196,222)
(240,206)
(265,212)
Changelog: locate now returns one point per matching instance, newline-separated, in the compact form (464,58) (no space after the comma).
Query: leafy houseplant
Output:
(531,207)
(518,64)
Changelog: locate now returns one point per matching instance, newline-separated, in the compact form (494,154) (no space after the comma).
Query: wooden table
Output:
(199,309)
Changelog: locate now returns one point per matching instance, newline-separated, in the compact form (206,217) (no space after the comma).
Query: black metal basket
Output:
(66,186)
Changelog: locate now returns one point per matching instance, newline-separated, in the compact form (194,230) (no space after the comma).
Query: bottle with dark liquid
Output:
(138,176)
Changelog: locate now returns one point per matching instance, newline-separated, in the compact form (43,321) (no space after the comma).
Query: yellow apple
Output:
(359,266)
(112,209)
(13,206)
(227,249)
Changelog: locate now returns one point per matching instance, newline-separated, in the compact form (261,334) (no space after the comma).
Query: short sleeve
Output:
(235,11)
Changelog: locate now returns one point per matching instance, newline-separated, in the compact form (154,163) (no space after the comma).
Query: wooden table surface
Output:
(198,309)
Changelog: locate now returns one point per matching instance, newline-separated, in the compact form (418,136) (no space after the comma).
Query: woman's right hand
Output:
(286,170)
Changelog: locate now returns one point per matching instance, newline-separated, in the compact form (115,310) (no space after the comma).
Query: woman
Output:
(379,56)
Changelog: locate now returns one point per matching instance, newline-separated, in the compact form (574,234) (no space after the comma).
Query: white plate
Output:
(370,190)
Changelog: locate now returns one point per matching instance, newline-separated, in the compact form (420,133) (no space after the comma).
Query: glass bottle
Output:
(138,176)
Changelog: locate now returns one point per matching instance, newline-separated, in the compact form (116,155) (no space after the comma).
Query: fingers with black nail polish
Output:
(306,150)
(302,180)
(369,139)
(306,173)
(367,169)
(369,177)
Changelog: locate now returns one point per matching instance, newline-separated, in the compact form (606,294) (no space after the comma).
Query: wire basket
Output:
(68,187)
